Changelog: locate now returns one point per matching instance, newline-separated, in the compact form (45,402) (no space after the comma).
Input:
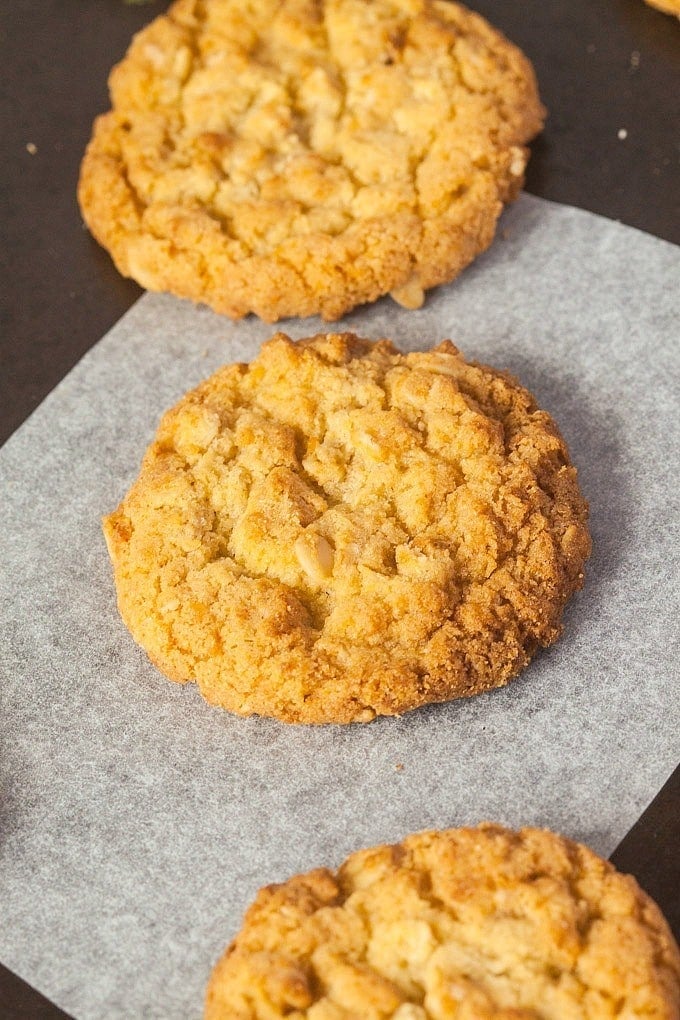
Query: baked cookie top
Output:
(293,157)
(465,924)
(339,530)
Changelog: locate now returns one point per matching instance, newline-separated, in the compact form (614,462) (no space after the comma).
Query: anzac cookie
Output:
(338,531)
(466,924)
(293,157)
(667,6)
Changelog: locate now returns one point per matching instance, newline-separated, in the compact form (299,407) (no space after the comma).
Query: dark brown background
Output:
(602,65)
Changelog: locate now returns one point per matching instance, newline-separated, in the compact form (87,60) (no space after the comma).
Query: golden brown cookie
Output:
(338,531)
(667,6)
(465,924)
(292,157)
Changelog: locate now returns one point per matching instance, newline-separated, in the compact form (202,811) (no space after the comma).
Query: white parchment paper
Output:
(137,822)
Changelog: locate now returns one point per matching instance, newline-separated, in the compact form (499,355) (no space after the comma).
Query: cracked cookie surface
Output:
(294,157)
(464,924)
(338,531)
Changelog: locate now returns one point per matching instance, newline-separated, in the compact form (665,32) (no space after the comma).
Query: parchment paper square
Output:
(137,822)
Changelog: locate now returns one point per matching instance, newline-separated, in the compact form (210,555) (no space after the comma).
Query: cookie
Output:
(667,6)
(338,531)
(465,924)
(306,156)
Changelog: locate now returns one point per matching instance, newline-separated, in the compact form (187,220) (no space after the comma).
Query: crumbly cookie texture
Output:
(339,530)
(667,6)
(294,157)
(465,924)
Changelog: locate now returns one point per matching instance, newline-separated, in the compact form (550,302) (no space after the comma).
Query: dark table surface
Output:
(604,67)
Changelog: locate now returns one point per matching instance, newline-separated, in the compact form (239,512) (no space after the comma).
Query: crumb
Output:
(31,148)
(399,766)
(622,134)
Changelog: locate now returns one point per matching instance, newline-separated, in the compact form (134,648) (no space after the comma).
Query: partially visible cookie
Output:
(338,531)
(667,6)
(293,157)
(464,924)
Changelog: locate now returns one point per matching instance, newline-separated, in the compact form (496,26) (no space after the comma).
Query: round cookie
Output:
(306,156)
(465,924)
(338,531)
